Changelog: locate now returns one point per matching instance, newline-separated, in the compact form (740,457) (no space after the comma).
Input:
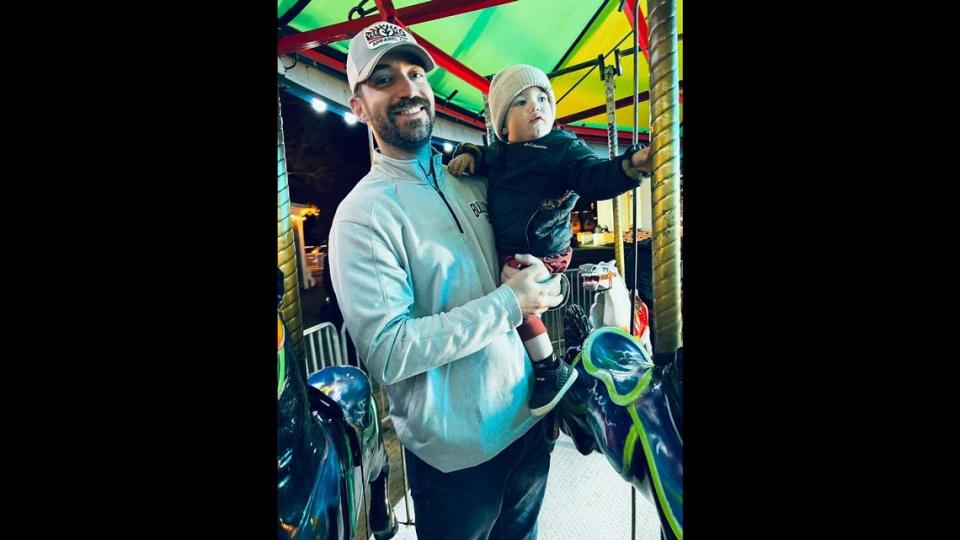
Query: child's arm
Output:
(596,178)
(637,161)
(467,158)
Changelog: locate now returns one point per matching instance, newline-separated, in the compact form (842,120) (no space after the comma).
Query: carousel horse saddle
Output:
(350,388)
(617,359)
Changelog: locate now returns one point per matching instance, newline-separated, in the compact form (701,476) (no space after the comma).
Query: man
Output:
(413,263)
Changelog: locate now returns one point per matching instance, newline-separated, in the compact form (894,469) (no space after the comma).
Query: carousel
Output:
(615,67)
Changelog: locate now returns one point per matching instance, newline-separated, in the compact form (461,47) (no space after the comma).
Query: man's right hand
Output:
(535,288)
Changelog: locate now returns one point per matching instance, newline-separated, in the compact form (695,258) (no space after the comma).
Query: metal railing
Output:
(553,319)
(324,347)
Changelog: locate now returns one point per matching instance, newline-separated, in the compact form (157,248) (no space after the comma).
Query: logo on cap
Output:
(384,33)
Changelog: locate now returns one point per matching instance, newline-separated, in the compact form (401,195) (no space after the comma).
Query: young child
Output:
(536,174)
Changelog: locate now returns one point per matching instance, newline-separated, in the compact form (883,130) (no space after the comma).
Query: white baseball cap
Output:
(376,40)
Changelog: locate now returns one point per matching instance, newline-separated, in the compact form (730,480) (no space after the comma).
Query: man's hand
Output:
(535,288)
(507,272)
(464,163)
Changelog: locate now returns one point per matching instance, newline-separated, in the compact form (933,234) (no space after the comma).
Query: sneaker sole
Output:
(540,411)
(390,531)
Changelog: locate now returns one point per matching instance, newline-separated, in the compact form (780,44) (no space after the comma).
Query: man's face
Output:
(396,101)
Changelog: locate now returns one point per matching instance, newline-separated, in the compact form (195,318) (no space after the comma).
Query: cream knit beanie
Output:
(507,84)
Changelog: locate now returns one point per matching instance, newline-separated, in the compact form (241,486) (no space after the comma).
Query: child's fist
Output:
(462,164)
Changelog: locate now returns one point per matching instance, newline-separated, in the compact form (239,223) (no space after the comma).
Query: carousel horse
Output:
(611,304)
(329,448)
(626,406)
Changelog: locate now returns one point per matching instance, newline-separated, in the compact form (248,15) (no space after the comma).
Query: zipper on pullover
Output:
(436,187)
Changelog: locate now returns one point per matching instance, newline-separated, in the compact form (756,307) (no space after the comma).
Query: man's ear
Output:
(358,108)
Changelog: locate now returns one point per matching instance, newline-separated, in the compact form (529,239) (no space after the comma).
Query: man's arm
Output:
(376,298)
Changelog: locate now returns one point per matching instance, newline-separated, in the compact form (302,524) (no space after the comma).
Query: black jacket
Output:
(533,187)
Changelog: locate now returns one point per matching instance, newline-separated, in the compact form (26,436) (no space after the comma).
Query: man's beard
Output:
(411,135)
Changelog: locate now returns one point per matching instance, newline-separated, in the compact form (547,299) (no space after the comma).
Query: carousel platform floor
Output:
(585,498)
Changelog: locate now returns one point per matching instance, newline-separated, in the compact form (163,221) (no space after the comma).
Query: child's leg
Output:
(535,340)
(532,332)
(552,378)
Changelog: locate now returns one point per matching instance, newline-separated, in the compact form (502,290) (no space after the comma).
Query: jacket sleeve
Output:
(376,296)
(593,177)
(478,153)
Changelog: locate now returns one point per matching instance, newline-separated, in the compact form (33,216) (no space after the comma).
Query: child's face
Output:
(530,116)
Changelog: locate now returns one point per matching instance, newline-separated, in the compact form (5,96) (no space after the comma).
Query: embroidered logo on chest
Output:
(480,209)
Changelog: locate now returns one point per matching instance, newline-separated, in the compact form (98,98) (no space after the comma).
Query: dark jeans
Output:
(499,499)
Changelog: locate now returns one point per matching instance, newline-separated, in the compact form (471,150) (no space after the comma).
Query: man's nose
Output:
(409,88)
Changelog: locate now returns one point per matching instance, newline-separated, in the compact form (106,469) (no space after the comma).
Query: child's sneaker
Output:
(552,380)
